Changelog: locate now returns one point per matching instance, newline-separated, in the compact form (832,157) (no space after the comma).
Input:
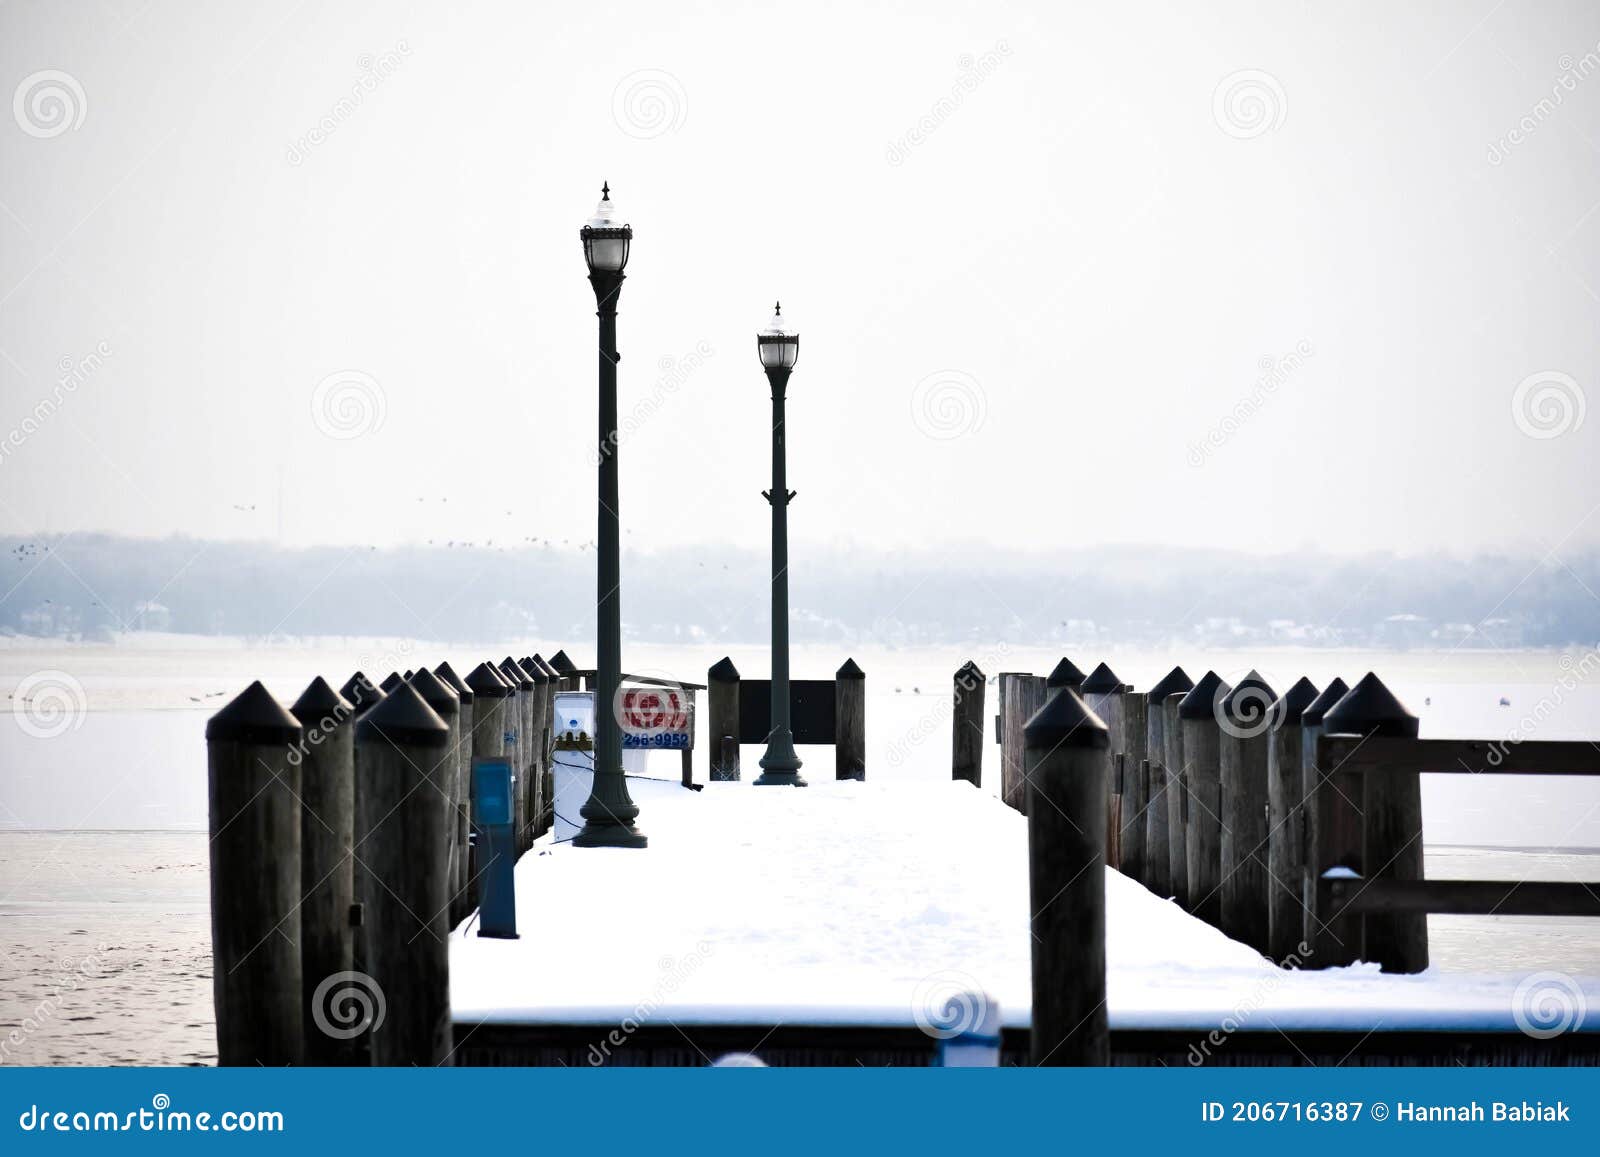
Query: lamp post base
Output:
(608,816)
(609,836)
(780,766)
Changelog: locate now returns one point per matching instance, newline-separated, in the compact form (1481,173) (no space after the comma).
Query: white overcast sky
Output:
(1037,253)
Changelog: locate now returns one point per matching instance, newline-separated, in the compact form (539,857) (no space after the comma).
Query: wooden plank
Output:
(1472,756)
(1468,897)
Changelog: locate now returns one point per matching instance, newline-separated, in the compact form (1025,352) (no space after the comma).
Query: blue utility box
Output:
(493,822)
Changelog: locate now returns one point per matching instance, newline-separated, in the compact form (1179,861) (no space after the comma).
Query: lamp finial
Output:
(777,309)
(605,191)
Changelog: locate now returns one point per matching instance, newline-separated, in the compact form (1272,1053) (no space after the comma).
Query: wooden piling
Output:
(538,741)
(403,836)
(521,750)
(1021,695)
(1392,820)
(327,870)
(850,722)
(492,702)
(1203,829)
(1310,793)
(1102,692)
(1243,744)
(360,692)
(256,881)
(968,735)
(461,794)
(1286,846)
(1158,807)
(1177,796)
(1067,748)
(722,720)
(446,704)
(547,740)
(1131,856)
(567,669)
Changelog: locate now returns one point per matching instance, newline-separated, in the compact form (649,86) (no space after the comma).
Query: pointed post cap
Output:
(850,671)
(723,672)
(436,693)
(514,673)
(360,691)
(1066,674)
(403,720)
(1174,682)
(548,669)
(455,682)
(1201,701)
(320,705)
(534,666)
(1102,680)
(486,683)
(970,673)
(254,716)
(394,680)
(1323,703)
(1249,703)
(563,665)
(1370,708)
(1065,721)
(1295,700)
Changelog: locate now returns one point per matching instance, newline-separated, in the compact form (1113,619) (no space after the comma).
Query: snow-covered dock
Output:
(864,907)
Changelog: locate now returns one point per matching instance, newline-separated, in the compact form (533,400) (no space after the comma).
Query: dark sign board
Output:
(811,710)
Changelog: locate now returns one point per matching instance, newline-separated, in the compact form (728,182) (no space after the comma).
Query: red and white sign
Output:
(656,717)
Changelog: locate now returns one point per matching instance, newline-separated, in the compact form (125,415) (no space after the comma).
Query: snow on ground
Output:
(871,904)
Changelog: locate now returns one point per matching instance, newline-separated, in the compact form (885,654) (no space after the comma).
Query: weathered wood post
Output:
(492,700)
(360,692)
(1286,843)
(256,880)
(327,871)
(1067,767)
(403,835)
(1203,830)
(548,691)
(1131,860)
(1310,792)
(461,795)
(722,712)
(1102,692)
(968,736)
(521,714)
(850,722)
(1178,784)
(1244,743)
(1158,808)
(567,669)
(446,704)
(538,744)
(1392,818)
(1021,695)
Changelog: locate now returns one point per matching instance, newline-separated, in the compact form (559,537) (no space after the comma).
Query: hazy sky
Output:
(1234,275)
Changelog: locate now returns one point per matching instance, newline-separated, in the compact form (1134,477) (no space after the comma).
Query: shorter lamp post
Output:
(779,347)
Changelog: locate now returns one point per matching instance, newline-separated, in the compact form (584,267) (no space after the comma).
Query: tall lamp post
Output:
(779,347)
(609,812)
